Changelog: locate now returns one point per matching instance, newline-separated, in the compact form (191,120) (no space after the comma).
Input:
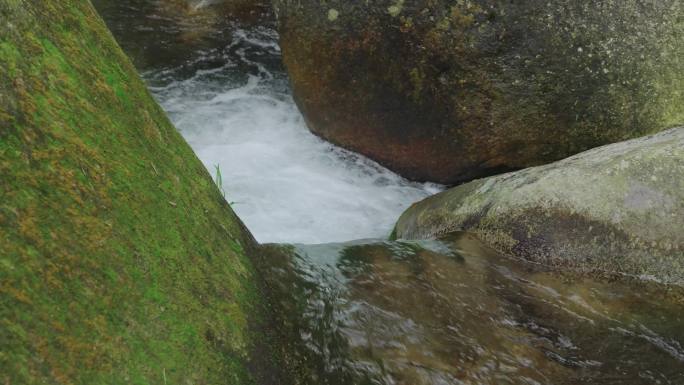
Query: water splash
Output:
(234,107)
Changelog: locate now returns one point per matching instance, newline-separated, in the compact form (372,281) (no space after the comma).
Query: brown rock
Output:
(448,91)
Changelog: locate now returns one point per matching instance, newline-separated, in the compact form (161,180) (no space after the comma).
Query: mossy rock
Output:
(120,261)
(617,209)
(451,90)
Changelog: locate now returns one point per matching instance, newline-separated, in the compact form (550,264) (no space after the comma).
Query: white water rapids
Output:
(235,109)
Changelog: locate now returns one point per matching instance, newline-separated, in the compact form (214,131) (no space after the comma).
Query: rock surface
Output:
(615,209)
(448,91)
(120,261)
(243,9)
(166,33)
(455,312)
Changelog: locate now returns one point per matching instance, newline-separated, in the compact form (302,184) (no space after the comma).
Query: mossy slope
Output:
(120,262)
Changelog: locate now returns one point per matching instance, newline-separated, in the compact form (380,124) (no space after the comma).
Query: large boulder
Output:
(614,209)
(120,261)
(450,90)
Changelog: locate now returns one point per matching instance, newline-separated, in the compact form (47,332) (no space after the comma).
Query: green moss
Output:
(120,261)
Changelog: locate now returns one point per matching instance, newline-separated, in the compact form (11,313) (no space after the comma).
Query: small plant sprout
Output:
(219,182)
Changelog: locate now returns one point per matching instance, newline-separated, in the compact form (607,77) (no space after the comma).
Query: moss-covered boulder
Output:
(120,261)
(614,209)
(450,90)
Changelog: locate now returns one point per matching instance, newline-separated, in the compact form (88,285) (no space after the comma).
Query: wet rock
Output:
(167,33)
(120,261)
(455,312)
(614,209)
(448,91)
(244,10)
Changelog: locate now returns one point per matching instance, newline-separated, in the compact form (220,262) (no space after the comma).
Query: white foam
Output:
(287,184)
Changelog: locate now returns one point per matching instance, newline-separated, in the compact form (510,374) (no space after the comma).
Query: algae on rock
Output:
(120,262)
(613,209)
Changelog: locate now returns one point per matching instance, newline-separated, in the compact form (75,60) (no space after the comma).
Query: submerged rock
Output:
(241,9)
(249,11)
(167,33)
(449,90)
(120,261)
(614,209)
(455,312)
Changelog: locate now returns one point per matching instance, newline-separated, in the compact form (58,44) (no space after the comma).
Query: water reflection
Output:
(454,312)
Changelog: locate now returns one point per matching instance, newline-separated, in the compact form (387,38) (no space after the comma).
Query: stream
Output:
(371,311)
(226,91)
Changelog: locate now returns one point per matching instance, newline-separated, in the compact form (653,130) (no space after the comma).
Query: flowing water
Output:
(455,312)
(230,99)
(374,311)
